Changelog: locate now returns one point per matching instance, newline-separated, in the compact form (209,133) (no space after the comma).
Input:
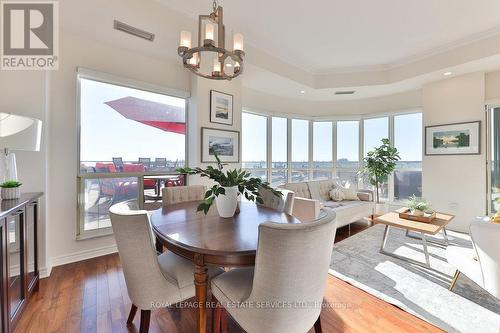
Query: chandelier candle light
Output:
(226,64)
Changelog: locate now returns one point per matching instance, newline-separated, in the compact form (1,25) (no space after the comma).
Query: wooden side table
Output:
(392,219)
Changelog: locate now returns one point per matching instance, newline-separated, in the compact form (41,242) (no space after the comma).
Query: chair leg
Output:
(317,326)
(216,317)
(455,278)
(223,320)
(131,316)
(145,316)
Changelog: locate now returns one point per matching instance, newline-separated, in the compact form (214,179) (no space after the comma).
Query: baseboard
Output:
(44,272)
(78,256)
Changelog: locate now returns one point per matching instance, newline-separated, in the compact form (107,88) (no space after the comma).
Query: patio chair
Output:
(160,162)
(146,161)
(118,162)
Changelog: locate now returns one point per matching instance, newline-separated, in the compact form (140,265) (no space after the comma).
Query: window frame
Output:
(88,74)
(334,119)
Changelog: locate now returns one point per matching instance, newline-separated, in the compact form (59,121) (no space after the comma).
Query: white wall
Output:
(199,116)
(456,184)
(23,92)
(493,87)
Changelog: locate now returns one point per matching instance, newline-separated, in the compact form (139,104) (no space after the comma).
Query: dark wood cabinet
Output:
(19,255)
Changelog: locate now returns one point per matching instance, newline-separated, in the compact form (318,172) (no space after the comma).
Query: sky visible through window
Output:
(322,143)
(105,133)
(348,141)
(300,140)
(408,136)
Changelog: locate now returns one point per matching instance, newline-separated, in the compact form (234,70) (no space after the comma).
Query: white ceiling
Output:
(337,35)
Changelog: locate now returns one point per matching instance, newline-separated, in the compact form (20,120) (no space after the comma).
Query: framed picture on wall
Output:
(221,108)
(453,139)
(226,144)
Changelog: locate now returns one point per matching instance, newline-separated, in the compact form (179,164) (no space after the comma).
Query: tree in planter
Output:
(247,186)
(380,163)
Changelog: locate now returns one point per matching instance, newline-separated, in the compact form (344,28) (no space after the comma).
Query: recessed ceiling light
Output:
(302,91)
(447,73)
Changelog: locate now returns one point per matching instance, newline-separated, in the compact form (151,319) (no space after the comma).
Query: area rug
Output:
(420,291)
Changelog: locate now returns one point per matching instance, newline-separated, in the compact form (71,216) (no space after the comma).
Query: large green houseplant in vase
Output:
(379,164)
(228,185)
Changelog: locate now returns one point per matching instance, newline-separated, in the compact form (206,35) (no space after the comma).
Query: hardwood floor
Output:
(91,296)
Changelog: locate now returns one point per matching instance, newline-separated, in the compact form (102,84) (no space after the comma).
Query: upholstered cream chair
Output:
(284,292)
(152,281)
(178,194)
(482,263)
(283,204)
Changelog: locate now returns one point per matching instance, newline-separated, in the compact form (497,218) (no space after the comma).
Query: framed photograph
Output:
(225,143)
(221,108)
(453,139)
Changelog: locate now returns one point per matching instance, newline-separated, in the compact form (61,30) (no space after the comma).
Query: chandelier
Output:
(210,59)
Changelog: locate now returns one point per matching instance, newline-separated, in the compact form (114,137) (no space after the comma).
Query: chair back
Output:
(282,204)
(118,162)
(178,194)
(291,266)
(161,162)
(485,237)
(145,281)
(146,161)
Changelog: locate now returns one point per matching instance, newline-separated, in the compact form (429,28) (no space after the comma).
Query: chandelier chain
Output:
(214,5)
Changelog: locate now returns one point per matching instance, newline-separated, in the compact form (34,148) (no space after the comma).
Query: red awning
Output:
(166,117)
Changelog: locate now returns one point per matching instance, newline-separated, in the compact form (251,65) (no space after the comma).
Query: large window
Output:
(126,135)
(322,150)
(279,151)
(254,144)
(408,141)
(300,150)
(348,151)
(494,155)
(374,130)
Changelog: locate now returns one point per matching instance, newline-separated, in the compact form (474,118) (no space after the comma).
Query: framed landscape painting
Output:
(453,139)
(226,144)
(221,108)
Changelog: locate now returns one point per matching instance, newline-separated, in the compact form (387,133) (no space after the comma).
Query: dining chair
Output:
(178,194)
(284,292)
(481,264)
(283,204)
(152,281)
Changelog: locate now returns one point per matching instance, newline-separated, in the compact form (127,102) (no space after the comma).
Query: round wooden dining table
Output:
(212,240)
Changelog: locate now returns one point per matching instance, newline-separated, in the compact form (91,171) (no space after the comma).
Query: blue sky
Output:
(105,133)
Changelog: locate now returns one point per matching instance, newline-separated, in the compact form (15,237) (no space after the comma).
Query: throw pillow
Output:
(349,193)
(336,194)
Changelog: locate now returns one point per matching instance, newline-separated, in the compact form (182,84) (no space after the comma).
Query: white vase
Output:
(11,193)
(227,203)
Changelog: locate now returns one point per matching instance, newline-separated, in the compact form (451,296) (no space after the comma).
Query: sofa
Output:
(311,196)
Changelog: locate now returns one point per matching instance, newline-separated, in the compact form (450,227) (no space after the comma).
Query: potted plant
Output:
(229,185)
(11,189)
(418,206)
(379,164)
